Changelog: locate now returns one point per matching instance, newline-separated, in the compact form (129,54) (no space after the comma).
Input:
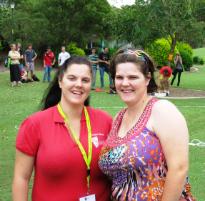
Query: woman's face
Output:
(13,47)
(130,82)
(76,84)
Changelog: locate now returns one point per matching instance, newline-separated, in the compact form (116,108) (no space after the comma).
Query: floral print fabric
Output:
(136,163)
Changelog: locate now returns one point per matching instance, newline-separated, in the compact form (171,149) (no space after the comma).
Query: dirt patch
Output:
(179,92)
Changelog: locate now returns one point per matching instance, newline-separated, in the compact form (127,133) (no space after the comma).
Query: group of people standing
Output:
(79,153)
(16,59)
(103,62)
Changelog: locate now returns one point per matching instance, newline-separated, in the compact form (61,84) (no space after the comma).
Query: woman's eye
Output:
(86,80)
(133,77)
(118,78)
(71,78)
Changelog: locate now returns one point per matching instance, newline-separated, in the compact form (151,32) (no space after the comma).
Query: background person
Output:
(30,56)
(138,155)
(15,75)
(63,56)
(94,61)
(48,62)
(19,49)
(104,61)
(178,69)
(164,74)
(48,141)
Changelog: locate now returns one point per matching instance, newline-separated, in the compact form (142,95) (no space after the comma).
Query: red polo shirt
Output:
(60,171)
(48,58)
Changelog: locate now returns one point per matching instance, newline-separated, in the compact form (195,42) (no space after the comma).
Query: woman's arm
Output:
(22,173)
(171,128)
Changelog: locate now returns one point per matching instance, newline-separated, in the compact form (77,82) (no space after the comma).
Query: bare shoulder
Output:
(165,112)
(165,107)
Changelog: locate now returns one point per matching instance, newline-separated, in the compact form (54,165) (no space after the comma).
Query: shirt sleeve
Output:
(28,139)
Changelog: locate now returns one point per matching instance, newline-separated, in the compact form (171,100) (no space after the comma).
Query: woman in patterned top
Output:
(146,153)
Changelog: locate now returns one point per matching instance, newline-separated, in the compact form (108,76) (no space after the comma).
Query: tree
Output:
(55,22)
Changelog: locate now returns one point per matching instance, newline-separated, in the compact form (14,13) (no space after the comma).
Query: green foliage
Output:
(186,52)
(185,47)
(198,60)
(74,50)
(195,59)
(56,23)
(159,50)
(112,51)
(186,59)
(201,61)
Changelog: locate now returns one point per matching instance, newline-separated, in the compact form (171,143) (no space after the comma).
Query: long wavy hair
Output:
(138,57)
(52,95)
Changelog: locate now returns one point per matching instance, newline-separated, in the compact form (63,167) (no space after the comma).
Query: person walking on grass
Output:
(30,56)
(93,58)
(15,75)
(63,56)
(48,62)
(178,69)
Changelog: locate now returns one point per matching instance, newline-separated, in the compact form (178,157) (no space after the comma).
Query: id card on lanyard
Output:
(88,198)
(87,157)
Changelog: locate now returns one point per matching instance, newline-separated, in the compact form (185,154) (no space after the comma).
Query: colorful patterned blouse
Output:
(136,163)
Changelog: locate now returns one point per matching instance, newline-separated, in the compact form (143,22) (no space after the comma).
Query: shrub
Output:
(181,46)
(186,52)
(196,59)
(201,61)
(74,50)
(159,51)
(112,51)
(186,59)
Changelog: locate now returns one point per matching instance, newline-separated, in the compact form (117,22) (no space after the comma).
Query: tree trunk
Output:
(173,45)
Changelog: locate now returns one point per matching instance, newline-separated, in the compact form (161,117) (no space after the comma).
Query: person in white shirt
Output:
(63,56)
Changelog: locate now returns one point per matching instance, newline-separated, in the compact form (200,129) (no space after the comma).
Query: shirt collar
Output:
(59,119)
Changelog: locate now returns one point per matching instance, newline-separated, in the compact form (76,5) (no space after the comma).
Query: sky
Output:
(119,3)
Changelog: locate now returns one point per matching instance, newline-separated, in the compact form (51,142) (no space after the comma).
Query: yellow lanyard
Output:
(87,158)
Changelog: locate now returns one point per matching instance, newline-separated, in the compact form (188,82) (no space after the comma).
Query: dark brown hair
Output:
(139,57)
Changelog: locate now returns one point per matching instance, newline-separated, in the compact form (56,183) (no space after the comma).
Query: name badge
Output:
(88,198)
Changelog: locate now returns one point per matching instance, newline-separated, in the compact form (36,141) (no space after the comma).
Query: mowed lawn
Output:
(200,52)
(19,102)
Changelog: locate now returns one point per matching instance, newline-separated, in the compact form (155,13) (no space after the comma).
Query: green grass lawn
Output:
(200,52)
(17,103)
(193,80)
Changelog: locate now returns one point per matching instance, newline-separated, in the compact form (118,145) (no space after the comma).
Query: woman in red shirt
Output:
(48,62)
(62,142)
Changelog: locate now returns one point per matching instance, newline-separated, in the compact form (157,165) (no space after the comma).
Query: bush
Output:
(112,51)
(74,50)
(201,61)
(186,52)
(185,47)
(196,59)
(186,60)
(159,51)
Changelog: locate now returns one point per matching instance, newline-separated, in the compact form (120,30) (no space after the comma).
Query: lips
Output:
(126,90)
(77,92)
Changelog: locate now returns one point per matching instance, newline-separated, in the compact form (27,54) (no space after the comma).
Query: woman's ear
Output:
(59,82)
(148,77)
